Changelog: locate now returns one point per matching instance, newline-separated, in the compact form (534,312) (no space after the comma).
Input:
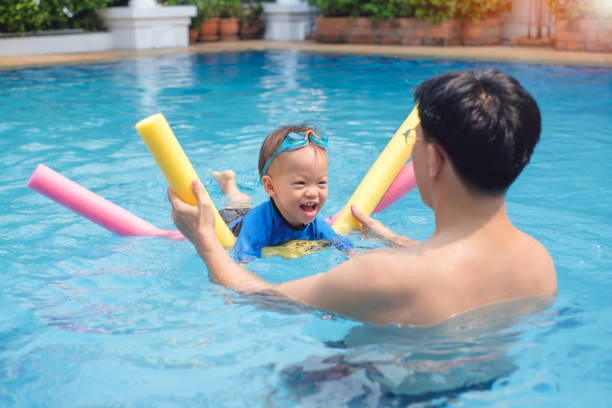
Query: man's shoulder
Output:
(393,268)
(538,262)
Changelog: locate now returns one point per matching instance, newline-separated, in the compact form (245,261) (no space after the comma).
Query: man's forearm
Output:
(223,270)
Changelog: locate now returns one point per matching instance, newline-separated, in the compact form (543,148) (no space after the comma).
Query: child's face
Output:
(297,181)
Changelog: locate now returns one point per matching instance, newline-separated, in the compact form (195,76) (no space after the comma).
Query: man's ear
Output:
(436,158)
(268,186)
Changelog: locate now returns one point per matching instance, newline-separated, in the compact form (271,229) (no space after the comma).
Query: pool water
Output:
(88,318)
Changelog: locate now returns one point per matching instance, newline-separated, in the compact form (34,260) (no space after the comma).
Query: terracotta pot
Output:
(193,36)
(229,28)
(209,30)
(251,31)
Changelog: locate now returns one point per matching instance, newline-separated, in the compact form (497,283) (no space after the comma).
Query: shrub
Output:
(19,16)
(387,9)
(432,10)
(228,8)
(62,14)
(478,9)
(252,11)
(338,8)
(577,9)
(206,10)
(32,15)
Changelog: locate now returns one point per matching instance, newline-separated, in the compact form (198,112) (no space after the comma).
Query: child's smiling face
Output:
(297,181)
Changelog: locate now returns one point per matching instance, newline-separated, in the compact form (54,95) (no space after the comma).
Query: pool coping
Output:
(500,53)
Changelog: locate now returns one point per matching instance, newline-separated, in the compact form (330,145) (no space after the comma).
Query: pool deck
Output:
(537,55)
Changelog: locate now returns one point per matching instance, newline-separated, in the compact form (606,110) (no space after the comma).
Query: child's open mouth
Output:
(309,210)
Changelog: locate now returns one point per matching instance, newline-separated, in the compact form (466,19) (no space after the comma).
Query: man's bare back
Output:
(439,278)
(429,282)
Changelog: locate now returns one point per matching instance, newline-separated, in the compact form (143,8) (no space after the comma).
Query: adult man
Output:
(477,132)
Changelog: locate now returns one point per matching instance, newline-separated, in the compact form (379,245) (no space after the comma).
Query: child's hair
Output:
(487,123)
(276,138)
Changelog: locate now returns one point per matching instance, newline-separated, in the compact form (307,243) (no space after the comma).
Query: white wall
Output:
(135,28)
(56,44)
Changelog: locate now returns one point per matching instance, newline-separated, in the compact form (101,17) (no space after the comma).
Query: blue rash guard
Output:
(264,226)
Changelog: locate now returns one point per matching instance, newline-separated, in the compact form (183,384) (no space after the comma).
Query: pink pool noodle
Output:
(92,206)
(402,184)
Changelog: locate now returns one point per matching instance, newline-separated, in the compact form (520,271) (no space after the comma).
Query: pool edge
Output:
(500,53)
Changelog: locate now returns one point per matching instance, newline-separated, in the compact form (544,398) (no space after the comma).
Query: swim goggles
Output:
(295,141)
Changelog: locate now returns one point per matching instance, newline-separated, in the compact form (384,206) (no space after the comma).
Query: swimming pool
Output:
(91,319)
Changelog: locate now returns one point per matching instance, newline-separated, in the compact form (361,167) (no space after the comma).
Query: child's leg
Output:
(227,182)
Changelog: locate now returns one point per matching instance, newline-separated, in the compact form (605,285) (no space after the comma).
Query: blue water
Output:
(88,318)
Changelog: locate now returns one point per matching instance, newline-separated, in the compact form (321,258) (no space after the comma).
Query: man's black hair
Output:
(486,122)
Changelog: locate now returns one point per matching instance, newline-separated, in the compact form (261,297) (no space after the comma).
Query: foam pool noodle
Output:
(176,167)
(380,176)
(92,206)
(403,183)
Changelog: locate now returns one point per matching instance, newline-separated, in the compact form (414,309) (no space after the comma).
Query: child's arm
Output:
(245,250)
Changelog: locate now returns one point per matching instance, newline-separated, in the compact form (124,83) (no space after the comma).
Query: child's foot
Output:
(227,182)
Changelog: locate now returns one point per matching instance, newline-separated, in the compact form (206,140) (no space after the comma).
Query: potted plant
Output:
(208,20)
(582,25)
(229,13)
(194,27)
(252,24)
(194,33)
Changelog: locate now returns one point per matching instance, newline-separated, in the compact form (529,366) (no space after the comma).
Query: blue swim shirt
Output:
(264,226)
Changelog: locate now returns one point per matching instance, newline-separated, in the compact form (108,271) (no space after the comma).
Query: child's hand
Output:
(372,226)
(196,223)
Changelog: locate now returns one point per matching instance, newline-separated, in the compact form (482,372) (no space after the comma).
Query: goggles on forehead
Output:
(295,141)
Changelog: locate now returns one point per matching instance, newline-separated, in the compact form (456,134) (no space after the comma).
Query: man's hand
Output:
(372,226)
(196,223)
(379,230)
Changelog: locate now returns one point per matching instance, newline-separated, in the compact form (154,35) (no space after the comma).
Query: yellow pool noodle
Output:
(380,176)
(178,171)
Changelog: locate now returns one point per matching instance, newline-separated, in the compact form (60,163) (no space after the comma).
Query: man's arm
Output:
(197,223)
(360,288)
(364,287)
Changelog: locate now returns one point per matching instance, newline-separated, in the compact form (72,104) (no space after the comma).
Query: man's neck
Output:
(460,212)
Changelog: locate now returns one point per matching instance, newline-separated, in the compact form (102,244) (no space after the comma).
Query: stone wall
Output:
(584,35)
